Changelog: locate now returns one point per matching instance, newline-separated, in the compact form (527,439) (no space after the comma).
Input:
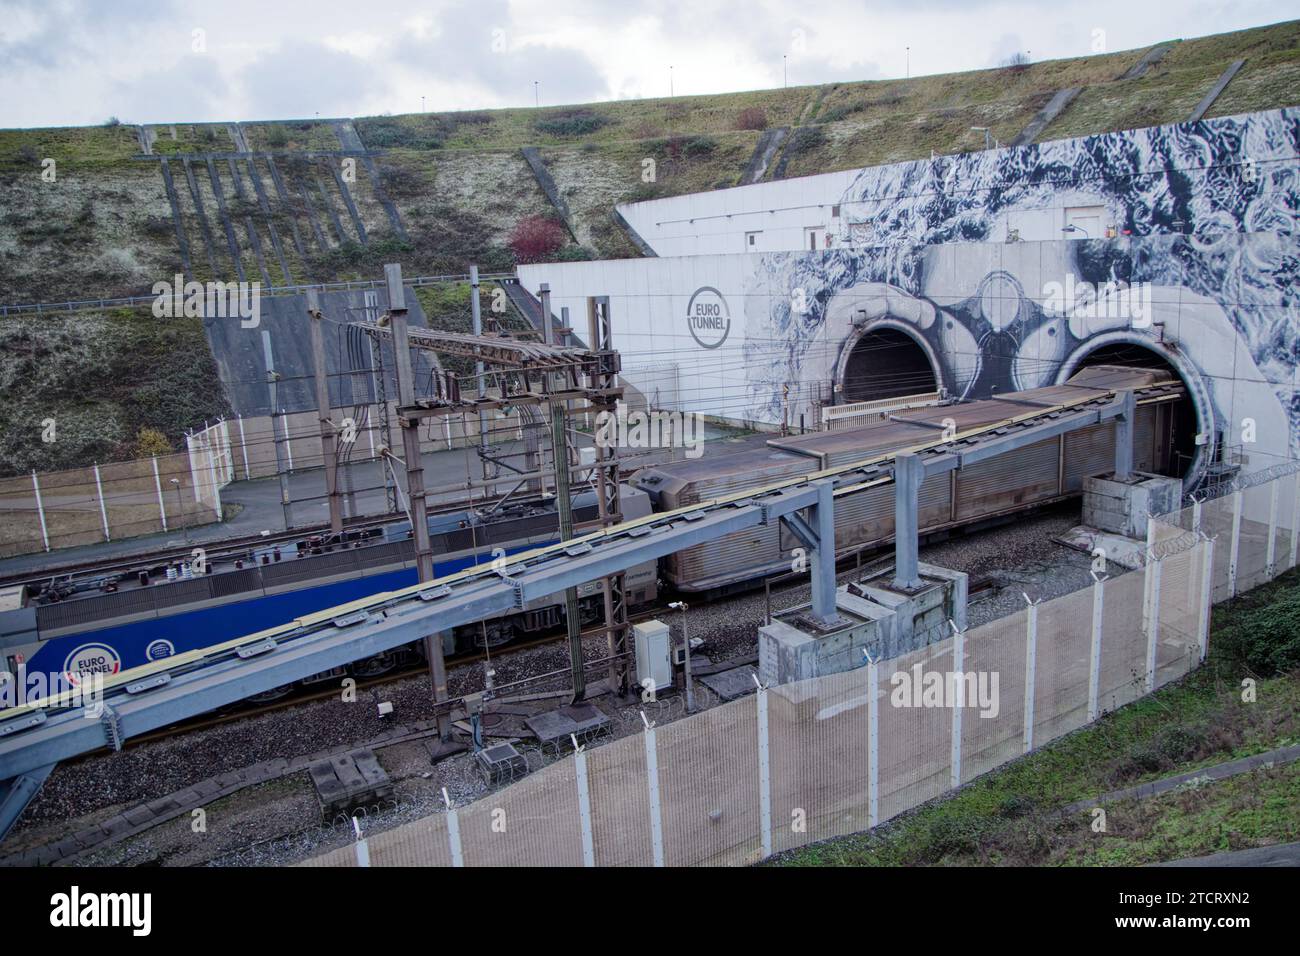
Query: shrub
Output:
(276,137)
(574,254)
(112,121)
(680,147)
(753,118)
(837,113)
(399,181)
(1266,639)
(150,442)
(536,239)
(384,132)
(698,146)
(1016,62)
(159,227)
(953,836)
(805,138)
(571,123)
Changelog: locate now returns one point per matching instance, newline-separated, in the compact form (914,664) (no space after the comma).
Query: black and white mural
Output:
(1190,253)
(1202,269)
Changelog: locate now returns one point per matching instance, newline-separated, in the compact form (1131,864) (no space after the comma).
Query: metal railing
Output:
(77,305)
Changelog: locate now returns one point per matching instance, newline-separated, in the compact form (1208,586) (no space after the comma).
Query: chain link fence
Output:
(833,755)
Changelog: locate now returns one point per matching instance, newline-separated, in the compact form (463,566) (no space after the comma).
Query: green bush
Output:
(1266,639)
(571,123)
(384,132)
(574,254)
(950,835)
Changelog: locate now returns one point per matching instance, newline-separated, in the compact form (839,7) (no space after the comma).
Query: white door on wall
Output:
(1086,221)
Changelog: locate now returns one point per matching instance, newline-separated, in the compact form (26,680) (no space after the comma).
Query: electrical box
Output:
(654,659)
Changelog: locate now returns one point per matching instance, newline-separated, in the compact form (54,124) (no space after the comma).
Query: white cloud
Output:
(77,61)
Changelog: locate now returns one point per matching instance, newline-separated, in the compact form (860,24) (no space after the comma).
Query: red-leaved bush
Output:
(752,118)
(536,239)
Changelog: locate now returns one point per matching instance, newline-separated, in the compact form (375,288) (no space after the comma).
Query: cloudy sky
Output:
(65,62)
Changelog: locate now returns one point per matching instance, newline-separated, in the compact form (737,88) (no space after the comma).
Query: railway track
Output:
(308,695)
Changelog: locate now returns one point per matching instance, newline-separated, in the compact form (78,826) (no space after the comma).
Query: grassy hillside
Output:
(86,371)
(459,183)
(324,200)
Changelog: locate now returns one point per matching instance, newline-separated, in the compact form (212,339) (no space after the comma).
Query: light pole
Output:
(785,71)
(670,80)
(180,507)
(537,100)
(1073,228)
(989,141)
(686,643)
(908,67)
(421,104)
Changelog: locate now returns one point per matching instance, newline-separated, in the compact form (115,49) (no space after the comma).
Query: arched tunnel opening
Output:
(887,363)
(1177,443)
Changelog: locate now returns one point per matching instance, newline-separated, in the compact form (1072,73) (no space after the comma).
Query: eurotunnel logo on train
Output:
(159,649)
(91,659)
(708,317)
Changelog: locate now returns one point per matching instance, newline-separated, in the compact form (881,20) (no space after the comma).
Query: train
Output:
(65,629)
(53,632)
(1039,474)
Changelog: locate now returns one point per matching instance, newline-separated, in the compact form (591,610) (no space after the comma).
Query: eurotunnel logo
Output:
(91,659)
(159,649)
(708,317)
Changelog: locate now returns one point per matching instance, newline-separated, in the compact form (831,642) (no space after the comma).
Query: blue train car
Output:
(52,636)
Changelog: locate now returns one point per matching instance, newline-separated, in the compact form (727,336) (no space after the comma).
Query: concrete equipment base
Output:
(348,781)
(876,619)
(1122,506)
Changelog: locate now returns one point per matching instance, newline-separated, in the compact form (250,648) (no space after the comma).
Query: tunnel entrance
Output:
(887,363)
(1180,444)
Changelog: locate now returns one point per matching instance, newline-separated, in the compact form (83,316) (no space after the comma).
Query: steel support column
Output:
(822,562)
(329,457)
(1124,425)
(415,493)
(909,472)
(15,794)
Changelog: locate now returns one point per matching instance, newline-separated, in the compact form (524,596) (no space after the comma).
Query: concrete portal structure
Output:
(978,274)
(875,619)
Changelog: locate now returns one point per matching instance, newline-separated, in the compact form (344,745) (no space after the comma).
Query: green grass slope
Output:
(105,228)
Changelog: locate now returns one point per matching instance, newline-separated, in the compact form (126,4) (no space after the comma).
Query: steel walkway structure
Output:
(34,737)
